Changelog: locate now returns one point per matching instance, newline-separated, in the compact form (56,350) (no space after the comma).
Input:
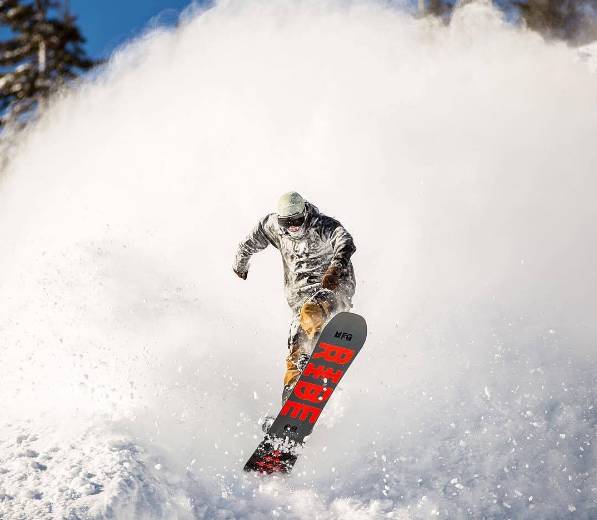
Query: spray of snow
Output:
(462,160)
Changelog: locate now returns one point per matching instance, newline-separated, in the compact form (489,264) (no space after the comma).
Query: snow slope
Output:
(135,365)
(91,474)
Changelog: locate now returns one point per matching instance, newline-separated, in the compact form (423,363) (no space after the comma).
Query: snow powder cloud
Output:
(462,160)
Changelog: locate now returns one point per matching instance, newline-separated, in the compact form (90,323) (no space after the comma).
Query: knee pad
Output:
(312,318)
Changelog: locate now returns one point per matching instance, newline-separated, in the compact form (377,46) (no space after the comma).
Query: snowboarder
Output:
(318,274)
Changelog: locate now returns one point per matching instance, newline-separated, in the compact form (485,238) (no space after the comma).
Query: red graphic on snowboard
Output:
(339,343)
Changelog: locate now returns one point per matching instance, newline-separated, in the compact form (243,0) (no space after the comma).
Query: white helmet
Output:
(291,204)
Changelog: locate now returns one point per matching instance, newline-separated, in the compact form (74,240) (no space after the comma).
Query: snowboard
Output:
(337,346)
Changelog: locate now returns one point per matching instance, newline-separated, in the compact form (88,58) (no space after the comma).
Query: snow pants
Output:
(307,323)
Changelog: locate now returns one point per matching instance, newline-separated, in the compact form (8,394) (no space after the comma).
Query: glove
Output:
(241,274)
(331,278)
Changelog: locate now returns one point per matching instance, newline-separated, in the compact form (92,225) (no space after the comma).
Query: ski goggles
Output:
(291,221)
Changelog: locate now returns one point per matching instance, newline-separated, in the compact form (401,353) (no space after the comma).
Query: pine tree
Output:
(43,52)
(570,20)
(435,7)
(439,7)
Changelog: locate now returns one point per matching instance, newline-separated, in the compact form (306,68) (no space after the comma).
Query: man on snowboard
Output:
(318,275)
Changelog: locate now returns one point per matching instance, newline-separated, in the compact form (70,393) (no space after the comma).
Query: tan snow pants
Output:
(305,328)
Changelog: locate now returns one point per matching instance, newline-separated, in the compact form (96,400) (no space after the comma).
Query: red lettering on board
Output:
(300,411)
(323,372)
(334,354)
(312,392)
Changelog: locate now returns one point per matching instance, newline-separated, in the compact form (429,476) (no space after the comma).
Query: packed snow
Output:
(136,366)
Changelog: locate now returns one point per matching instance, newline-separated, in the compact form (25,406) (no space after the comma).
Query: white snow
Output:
(57,473)
(136,366)
(588,54)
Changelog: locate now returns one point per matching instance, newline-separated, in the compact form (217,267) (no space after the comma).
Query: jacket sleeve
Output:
(343,245)
(256,241)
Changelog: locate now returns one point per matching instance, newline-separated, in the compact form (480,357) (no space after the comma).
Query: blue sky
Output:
(108,23)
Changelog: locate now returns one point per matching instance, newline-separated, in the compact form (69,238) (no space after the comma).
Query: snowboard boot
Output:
(295,364)
(286,392)
(266,423)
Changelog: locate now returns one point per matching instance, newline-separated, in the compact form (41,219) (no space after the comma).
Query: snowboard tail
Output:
(339,343)
(271,457)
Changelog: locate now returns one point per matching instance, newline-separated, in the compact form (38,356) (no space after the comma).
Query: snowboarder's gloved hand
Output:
(241,274)
(331,278)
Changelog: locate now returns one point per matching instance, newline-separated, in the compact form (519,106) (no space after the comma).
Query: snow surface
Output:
(135,365)
(91,474)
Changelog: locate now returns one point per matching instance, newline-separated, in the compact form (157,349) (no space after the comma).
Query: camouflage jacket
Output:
(305,259)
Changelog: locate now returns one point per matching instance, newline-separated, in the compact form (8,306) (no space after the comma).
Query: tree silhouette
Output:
(572,20)
(43,52)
